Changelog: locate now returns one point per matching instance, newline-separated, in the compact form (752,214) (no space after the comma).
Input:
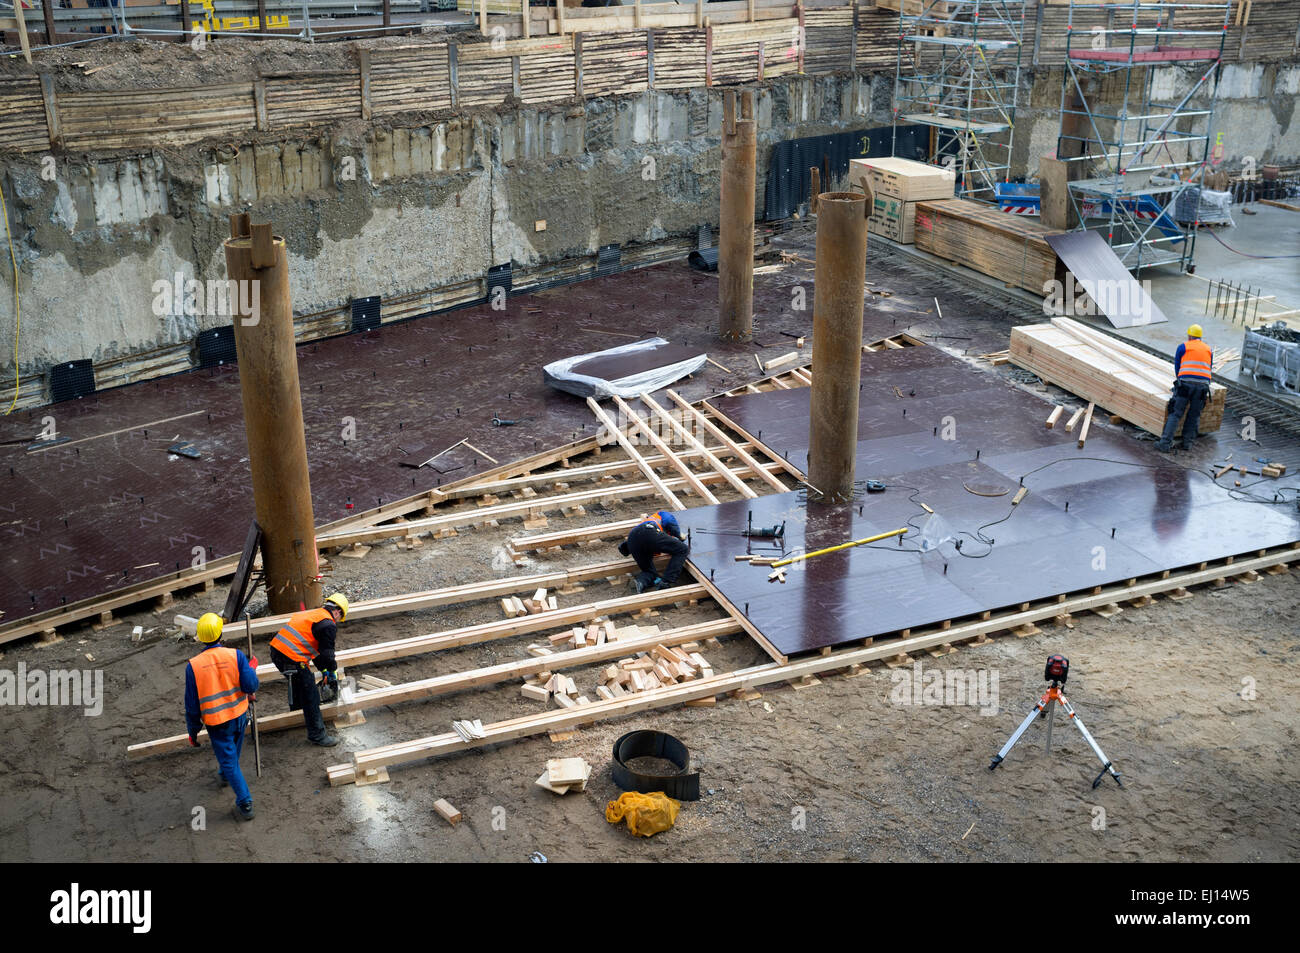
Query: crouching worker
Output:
(218,683)
(308,638)
(656,534)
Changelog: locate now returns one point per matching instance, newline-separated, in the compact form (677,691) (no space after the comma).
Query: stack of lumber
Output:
(409,78)
(896,186)
(563,775)
(614,63)
(679,58)
(1011,248)
(1105,371)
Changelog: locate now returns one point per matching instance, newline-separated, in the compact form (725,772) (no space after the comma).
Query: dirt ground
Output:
(1194,701)
(840,771)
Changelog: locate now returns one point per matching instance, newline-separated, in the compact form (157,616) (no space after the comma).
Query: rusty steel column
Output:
(736,221)
(837,341)
(277,444)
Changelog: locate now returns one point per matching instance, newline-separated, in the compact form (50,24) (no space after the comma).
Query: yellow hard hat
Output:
(209,627)
(341,601)
(1195,331)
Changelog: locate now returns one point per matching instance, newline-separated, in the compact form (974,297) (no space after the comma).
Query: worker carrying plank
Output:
(308,638)
(653,535)
(218,684)
(1193,363)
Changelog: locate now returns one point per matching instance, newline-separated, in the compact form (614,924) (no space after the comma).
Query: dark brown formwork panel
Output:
(1112,511)
(133,513)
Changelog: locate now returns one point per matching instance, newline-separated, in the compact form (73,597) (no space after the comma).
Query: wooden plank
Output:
(748,679)
(698,447)
(1055,416)
(50,99)
(781,461)
(460,681)
(490,631)
(755,467)
(363,57)
(448,596)
(657,442)
(1087,422)
(631,451)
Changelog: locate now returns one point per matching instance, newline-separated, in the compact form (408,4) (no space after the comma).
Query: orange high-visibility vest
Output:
(655,521)
(216,676)
(1197,360)
(295,639)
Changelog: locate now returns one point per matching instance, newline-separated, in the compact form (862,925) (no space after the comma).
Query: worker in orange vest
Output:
(1193,368)
(306,639)
(218,683)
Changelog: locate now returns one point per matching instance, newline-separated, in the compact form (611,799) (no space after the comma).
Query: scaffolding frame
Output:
(1149,151)
(958,72)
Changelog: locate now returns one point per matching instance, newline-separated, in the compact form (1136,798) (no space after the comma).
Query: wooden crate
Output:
(903,179)
(892,218)
(1007,247)
(1112,374)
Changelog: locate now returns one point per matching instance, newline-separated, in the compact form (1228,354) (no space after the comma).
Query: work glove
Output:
(623,549)
(194,742)
(252,660)
(329,688)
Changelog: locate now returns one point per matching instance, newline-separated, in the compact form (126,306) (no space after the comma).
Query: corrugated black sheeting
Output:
(787,173)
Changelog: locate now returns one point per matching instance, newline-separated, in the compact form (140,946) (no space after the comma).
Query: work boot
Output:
(662,584)
(243,812)
(324,741)
(1164,447)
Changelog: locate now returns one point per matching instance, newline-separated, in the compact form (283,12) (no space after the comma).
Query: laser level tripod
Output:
(1057,671)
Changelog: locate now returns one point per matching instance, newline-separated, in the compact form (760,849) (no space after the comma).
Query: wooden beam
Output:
(22,31)
(755,467)
(436,745)
(490,631)
(372,534)
(631,451)
(657,442)
(451,595)
(571,475)
(750,628)
(524,544)
(459,681)
(1087,422)
(698,447)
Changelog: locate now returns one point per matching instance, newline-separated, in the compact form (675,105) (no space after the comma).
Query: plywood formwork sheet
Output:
(1131,511)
